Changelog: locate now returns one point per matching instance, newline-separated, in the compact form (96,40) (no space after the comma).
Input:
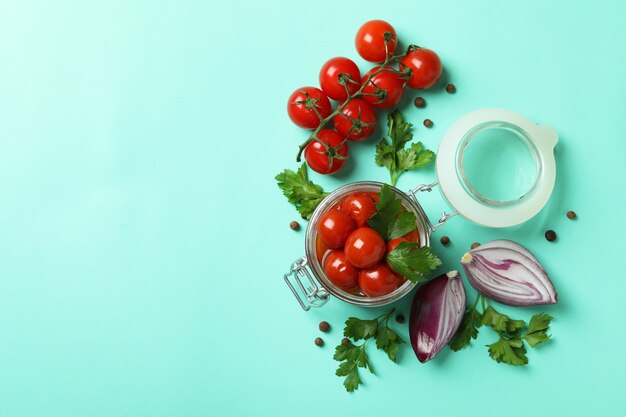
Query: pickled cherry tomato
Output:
(364,247)
(334,227)
(378,281)
(360,206)
(391,245)
(339,271)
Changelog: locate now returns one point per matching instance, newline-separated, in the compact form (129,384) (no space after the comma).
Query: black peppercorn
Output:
(551,235)
(319,341)
(419,102)
(294,225)
(450,88)
(428,123)
(324,326)
(571,215)
(444,240)
(400,318)
(345,340)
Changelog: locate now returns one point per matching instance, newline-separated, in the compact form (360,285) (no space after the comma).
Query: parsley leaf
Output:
(358,329)
(467,331)
(351,357)
(537,329)
(354,356)
(388,341)
(509,348)
(495,320)
(510,351)
(305,194)
(411,261)
(391,220)
(513,327)
(391,153)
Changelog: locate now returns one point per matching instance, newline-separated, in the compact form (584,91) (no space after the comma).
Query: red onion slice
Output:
(508,273)
(436,314)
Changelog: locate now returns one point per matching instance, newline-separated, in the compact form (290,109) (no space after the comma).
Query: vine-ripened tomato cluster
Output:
(353,118)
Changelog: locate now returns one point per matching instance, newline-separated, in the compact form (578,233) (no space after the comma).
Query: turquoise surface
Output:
(143,238)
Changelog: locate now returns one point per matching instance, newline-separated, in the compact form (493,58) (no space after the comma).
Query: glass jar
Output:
(459,188)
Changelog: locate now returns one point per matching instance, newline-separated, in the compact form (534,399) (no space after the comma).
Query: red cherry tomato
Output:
(412,236)
(301,104)
(425,68)
(391,245)
(378,281)
(329,78)
(356,121)
(334,227)
(328,154)
(339,271)
(392,84)
(364,247)
(320,248)
(370,40)
(360,206)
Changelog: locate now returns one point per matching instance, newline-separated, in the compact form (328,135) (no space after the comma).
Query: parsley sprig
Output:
(391,153)
(391,220)
(301,192)
(353,357)
(509,348)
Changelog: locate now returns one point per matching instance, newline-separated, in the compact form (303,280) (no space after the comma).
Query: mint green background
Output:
(143,239)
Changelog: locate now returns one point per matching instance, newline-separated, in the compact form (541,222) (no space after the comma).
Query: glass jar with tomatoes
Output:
(345,258)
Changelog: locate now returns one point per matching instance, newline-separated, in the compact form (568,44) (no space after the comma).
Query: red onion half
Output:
(436,314)
(508,273)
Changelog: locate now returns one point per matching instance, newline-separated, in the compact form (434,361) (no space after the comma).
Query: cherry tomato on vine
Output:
(339,271)
(328,154)
(302,103)
(329,78)
(425,67)
(370,40)
(378,281)
(391,84)
(360,206)
(356,121)
(364,247)
(334,227)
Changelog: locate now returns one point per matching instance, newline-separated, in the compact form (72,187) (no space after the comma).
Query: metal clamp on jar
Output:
(469,139)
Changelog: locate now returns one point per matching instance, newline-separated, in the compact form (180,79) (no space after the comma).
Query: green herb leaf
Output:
(537,329)
(301,192)
(388,341)
(391,220)
(352,381)
(467,331)
(391,153)
(351,357)
(509,351)
(358,329)
(495,320)
(414,157)
(354,356)
(513,327)
(412,262)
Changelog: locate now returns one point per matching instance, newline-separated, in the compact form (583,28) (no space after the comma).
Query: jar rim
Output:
(519,134)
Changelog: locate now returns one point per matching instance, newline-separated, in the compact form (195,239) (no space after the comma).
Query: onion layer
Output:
(436,314)
(508,273)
